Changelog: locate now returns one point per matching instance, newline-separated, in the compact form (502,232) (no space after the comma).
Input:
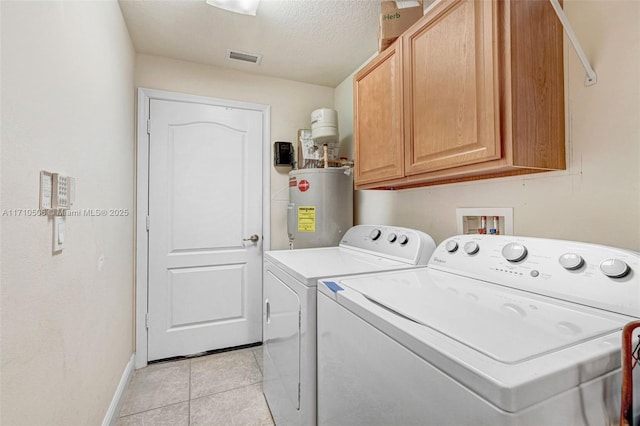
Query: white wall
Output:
(598,198)
(67,106)
(291,105)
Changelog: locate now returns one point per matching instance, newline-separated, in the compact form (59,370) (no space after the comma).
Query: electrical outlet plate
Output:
(468,220)
(59,224)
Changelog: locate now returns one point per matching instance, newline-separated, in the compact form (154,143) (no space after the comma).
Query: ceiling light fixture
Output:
(245,7)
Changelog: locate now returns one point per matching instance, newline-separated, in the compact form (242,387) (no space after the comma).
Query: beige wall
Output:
(291,105)
(67,106)
(598,198)
(67,93)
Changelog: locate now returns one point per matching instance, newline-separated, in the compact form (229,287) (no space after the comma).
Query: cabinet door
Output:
(378,122)
(451,87)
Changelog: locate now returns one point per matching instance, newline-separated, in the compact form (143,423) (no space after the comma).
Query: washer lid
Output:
(506,325)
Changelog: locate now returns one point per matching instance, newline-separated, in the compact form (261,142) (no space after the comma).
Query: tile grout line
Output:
(190,394)
(259,380)
(227,390)
(150,409)
(189,400)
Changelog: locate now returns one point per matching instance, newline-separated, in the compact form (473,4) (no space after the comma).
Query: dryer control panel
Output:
(593,275)
(403,244)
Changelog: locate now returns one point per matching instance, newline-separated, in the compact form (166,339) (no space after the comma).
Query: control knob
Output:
(392,237)
(614,268)
(375,234)
(403,239)
(471,247)
(571,261)
(451,246)
(514,252)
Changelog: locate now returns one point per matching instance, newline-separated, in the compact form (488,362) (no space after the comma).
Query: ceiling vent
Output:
(236,55)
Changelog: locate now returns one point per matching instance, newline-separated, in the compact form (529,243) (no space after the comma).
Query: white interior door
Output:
(205,202)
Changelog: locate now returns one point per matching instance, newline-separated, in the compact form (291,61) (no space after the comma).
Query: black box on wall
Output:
(283,154)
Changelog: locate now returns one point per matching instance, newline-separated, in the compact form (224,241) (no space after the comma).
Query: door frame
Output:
(142,196)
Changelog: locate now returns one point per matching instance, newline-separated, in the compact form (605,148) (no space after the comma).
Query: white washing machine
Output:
(289,322)
(496,330)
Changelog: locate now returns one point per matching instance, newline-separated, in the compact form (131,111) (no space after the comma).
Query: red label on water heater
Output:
(303,186)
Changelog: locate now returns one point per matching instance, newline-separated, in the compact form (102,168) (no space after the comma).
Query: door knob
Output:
(254,238)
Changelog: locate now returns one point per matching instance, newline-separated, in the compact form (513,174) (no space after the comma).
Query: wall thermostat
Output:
(283,154)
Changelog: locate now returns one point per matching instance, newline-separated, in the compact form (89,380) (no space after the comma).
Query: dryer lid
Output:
(308,265)
(507,325)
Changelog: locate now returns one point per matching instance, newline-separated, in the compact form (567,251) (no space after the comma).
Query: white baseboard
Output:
(114,408)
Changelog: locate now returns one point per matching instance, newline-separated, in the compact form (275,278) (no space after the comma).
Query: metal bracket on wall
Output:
(592,78)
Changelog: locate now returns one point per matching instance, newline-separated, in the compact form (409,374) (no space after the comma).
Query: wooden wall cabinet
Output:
(482,96)
(378,119)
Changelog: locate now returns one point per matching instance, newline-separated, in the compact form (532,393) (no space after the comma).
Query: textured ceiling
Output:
(313,41)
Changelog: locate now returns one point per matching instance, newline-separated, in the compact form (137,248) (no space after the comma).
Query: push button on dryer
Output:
(471,247)
(451,246)
(571,261)
(614,268)
(514,252)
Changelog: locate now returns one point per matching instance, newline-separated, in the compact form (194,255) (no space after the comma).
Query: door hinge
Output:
(149,126)
(146,320)
(148,223)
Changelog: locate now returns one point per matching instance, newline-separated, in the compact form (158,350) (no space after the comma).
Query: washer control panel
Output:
(590,274)
(408,245)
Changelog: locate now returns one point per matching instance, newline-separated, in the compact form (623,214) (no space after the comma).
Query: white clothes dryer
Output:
(496,330)
(289,320)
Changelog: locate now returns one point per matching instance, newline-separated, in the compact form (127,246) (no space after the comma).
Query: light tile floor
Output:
(219,389)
